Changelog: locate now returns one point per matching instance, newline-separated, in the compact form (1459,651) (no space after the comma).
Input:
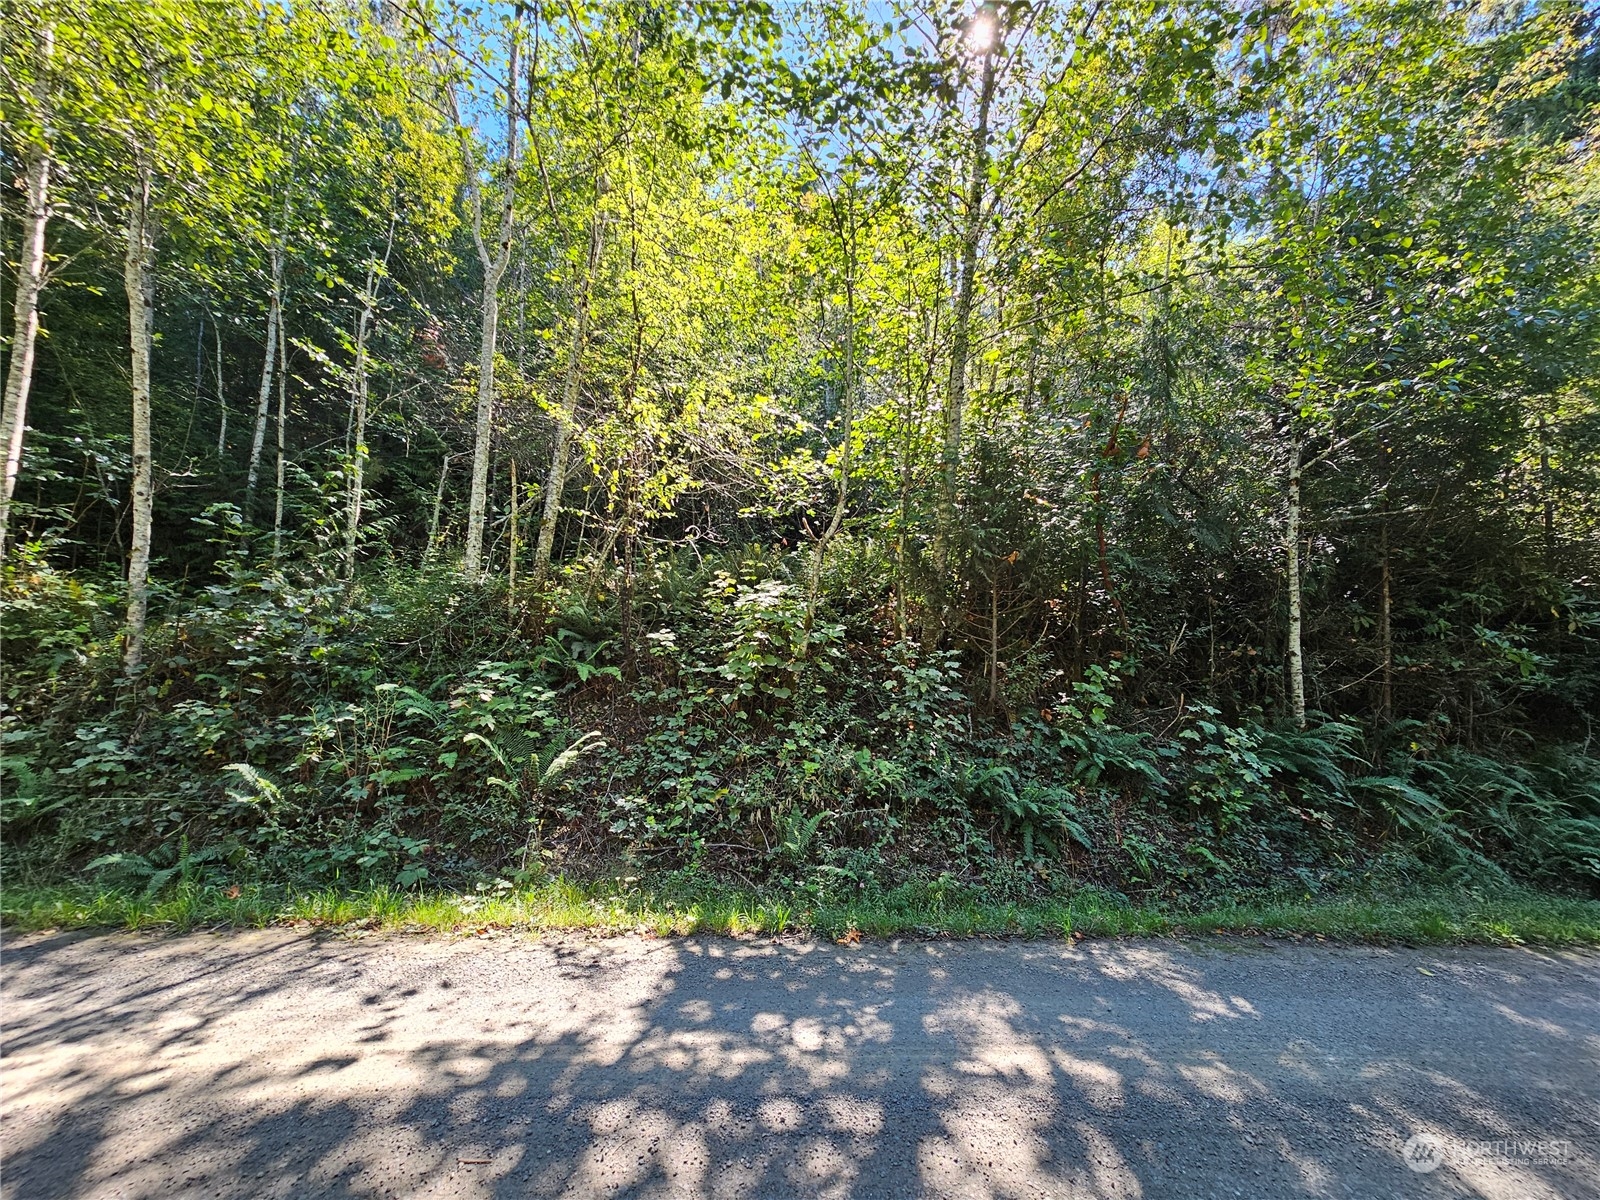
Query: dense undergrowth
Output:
(951,454)
(295,731)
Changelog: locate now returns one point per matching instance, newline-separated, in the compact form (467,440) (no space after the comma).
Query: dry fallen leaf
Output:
(232,893)
(852,937)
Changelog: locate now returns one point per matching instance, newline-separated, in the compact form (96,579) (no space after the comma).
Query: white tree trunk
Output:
(358,434)
(138,281)
(555,481)
(483,435)
(358,405)
(283,427)
(1291,544)
(258,437)
(25,322)
(494,268)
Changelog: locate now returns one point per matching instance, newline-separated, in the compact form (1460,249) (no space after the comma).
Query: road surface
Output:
(292,1064)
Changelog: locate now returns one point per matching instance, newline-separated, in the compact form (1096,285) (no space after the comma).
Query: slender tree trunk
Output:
(1291,544)
(994,639)
(222,401)
(200,361)
(358,405)
(483,435)
(847,413)
(258,437)
(358,444)
(438,503)
(1385,626)
(961,332)
(283,426)
(603,557)
(555,482)
(909,422)
(625,608)
(25,320)
(1547,492)
(1111,450)
(138,281)
(511,559)
(1211,627)
(494,268)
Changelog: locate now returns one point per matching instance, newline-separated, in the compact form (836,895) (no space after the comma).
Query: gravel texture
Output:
(287,1063)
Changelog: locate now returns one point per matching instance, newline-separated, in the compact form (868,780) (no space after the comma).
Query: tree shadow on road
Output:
(282,1065)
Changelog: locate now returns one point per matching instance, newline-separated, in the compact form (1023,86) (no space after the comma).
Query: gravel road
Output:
(290,1064)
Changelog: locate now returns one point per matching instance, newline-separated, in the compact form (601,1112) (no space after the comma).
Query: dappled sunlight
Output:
(1157,967)
(1545,1027)
(288,1065)
(1111,1174)
(701,1054)
(1000,1103)
(983,1027)
(1098,1084)
(1219,1081)
(1314,1178)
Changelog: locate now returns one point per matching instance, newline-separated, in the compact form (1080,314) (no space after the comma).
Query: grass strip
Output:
(614,906)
